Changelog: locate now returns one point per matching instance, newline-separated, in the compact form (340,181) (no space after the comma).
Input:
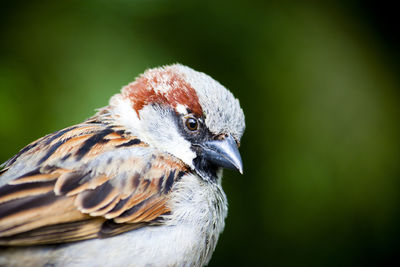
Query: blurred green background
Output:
(318,83)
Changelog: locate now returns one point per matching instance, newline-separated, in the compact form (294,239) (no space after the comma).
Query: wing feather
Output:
(88,181)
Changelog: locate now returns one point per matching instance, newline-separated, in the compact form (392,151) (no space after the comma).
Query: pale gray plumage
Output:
(138,145)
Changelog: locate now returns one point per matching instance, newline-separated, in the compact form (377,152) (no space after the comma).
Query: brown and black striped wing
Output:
(86,181)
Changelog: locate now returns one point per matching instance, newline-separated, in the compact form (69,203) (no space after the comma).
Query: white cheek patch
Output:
(155,127)
(160,131)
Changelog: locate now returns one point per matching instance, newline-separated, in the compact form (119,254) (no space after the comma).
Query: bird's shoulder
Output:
(87,181)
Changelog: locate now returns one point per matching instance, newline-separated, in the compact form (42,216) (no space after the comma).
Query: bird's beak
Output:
(223,153)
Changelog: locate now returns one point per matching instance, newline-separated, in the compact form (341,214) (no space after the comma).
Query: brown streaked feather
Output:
(59,233)
(28,213)
(39,177)
(9,192)
(3,170)
(74,189)
(143,211)
(110,228)
(108,207)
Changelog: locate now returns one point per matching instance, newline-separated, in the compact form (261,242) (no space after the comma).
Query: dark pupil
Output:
(191,124)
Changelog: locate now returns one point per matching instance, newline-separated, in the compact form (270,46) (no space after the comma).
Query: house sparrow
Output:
(137,184)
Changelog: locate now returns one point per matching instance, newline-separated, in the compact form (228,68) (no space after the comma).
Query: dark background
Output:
(318,83)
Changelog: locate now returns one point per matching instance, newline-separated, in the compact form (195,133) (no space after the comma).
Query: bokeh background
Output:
(318,82)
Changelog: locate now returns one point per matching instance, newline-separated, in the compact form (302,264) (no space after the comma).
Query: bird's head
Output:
(185,113)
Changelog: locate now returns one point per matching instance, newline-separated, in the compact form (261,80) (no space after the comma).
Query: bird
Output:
(137,184)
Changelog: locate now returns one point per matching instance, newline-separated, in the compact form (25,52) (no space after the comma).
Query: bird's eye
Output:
(192,124)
